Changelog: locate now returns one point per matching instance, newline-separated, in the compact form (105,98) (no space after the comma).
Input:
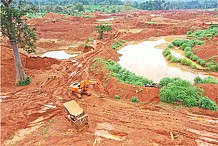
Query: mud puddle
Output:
(58,55)
(145,60)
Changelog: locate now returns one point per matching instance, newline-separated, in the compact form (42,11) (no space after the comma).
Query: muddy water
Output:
(145,60)
(58,55)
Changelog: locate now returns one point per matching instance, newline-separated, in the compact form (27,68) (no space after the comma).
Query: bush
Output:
(194,66)
(171,46)
(91,39)
(209,80)
(165,81)
(125,75)
(188,54)
(24,82)
(194,57)
(180,91)
(86,46)
(198,80)
(166,52)
(188,49)
(206,103)
(174,59)
(186,62)
(134,99)
(117,97)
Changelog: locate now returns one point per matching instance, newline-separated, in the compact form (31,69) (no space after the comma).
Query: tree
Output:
(17,31)
(103,28)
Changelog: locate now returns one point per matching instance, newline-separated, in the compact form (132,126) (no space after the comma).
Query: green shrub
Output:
(134,99)
(186,62)
(206,103)
(165,81)
(125,75)
(166,52)
(91,39)
(86,46)
(194,57)
(24,82)
(174,59)
(117,97)
(180,91)
(198,80)
(194,66)
(169,57)
(198,42)
(171,46)
(188,49)
(188,54)
(209,80)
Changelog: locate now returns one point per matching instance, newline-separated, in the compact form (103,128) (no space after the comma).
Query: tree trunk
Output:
(20,73)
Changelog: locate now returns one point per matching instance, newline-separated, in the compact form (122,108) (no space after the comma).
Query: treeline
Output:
(175,4)
(67,2)
(73,7)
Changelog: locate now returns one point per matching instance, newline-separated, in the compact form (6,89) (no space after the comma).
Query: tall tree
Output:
(13,27)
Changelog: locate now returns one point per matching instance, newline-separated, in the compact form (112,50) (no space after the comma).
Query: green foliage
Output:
(117,97)
(186,62)
(151,23)
(14,27)
(52,120)
(207,33)
(102,28)
(206,103)
(91,39)
(123,74)
(175,59)
(183,92)
(119,43)
(86,46)
(45,130)
(134,99)
(170,46)
(165,81)
(166,52)
(209,80)
(24,82)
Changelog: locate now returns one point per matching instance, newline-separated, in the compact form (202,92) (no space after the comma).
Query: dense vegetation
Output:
(180,91)
(175,5)
(123,74)
(207,80)
(78,7)
(195,38)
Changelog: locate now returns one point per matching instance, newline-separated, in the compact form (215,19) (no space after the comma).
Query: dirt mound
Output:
(207,50)
(210,91)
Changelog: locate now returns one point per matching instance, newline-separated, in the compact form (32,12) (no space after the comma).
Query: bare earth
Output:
(34,114)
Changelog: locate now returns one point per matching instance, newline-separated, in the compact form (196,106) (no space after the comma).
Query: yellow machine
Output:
(76,115)
(79,88)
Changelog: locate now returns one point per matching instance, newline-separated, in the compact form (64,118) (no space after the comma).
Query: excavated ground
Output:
(34,114)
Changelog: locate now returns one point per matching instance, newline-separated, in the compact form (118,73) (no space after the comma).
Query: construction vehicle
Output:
(155,85)
(76,115)
(79,88)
